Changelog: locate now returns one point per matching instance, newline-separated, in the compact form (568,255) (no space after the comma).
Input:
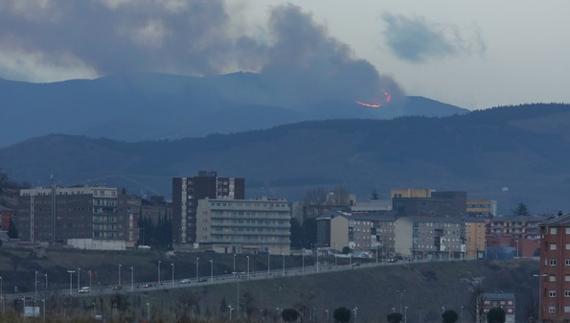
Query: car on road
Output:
(185,281)
(117,287)
(84,290)
(203,280)
(147,285)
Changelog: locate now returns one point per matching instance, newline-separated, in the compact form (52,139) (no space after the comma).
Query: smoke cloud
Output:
(58,39)
(417,40)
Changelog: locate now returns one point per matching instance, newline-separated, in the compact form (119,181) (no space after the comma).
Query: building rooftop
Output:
(563,220)
(498,296)
(427,218)
(526,218)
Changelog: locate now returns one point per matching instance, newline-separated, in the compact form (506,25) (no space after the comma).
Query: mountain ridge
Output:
(481,152)
(143,106)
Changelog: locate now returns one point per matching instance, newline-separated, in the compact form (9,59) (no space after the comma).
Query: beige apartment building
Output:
(425,237)
(475,237)
(482,208)
(241,226)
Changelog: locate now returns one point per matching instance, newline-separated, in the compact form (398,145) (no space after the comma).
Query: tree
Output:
(375,195)
(289,315)
(496,315)
(342,315)
(449,316)
(394,317)
(521,210)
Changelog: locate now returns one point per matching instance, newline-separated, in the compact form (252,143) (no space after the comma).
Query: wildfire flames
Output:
(374,105)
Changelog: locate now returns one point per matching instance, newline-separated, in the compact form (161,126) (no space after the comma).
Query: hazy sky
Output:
(471,53)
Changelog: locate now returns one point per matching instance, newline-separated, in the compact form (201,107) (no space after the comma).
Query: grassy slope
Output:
(428,288)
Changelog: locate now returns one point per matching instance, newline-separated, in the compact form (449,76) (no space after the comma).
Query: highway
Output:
(139,287)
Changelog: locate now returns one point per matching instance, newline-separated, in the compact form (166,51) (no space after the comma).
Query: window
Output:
(567,278)
(567,230)
(552,278)
(566,309)
(553,230)
(568,246)
(567,293)
(551,309)
(567,262)
(553,262)
(552,293)
(553,246)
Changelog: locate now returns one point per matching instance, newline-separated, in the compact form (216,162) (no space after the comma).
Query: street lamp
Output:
(120,266)
(46,281)
(303,260)
(197,269)
(355,311)
(148,311)
(44,311)
(268,262)
(158,273)
(235,262)
(71,272)
(405,314)
(2,293)
(247,257)
(132,278)
(283,254)
(90,273)
(401,292)
(78,279)
(317,259)
(211,269)
(35,285)
(172,272)
(231,310)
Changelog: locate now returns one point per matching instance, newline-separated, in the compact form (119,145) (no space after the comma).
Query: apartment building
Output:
(187,191)
(241,226)
(362,232)
(426,237)
(475,237)
(58,214)
(482,208)
(521,234)
(554,278)
(506,301)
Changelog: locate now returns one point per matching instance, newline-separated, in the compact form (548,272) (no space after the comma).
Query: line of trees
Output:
(344,315)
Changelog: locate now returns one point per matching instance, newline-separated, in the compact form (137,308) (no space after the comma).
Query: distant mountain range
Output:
(155,106)
(511,154)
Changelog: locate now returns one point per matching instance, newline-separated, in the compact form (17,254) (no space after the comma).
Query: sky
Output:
(475,54)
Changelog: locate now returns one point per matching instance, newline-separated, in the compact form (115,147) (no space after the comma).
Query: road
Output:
(139,287)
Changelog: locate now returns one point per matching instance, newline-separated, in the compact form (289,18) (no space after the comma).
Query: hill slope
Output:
(523,148)
(155,106)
